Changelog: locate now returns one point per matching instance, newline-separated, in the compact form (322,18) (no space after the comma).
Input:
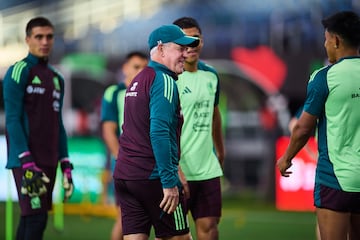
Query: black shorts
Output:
(25,200)
(205,198)
(139,202)
(336,200)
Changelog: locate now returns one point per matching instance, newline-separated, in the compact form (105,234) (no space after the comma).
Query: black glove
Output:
(34,179)
(66,167)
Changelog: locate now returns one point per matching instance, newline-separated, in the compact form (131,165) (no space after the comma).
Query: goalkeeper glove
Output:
(68,185)
(34,179)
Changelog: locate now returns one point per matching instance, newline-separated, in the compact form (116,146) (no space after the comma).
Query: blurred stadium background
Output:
(264,52)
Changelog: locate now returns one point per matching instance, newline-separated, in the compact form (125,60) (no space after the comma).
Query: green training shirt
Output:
(199,93)
(333,95)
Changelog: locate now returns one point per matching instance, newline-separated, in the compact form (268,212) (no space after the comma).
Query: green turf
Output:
(242,219)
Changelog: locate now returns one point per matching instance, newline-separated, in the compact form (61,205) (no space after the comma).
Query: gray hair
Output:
(154,49)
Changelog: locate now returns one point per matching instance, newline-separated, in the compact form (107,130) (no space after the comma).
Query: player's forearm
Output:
(16,135)
(109,130)
(300,134)
(218,136)
(219,147)
(298,139)
(14,114)
(63,148)
(113,145)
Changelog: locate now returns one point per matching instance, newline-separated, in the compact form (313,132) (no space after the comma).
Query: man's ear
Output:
(337,41)
(201,43)
(161,49)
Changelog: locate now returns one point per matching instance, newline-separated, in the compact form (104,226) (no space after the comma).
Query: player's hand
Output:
(221,158)
(283,165)
(34,179)
(170,200)
(66,167)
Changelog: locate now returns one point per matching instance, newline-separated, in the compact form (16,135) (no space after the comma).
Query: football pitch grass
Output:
(242,219)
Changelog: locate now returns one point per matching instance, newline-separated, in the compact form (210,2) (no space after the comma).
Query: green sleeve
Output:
(14,85)
(63,148)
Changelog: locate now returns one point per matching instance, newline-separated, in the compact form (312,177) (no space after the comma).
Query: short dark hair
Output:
(37,22)
(346,24)
(187,22)
(135,54)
